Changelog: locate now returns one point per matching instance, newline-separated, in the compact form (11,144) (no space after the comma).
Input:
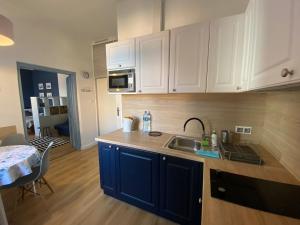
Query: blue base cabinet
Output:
(138,178)
(107,167)
(180,189)
(168,186)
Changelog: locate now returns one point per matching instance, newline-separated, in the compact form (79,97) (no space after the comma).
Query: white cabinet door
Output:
(152,68)
(276,42)
(226,54)
(188,58)
(120,55)
(248,49)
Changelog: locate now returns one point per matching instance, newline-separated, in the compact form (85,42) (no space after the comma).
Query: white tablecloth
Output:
(16,161)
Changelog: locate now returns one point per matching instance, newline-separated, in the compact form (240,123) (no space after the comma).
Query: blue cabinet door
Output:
(107,168)
(138,178)
(180,189)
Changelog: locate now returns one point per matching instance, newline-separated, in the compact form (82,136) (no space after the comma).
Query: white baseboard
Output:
(90,145)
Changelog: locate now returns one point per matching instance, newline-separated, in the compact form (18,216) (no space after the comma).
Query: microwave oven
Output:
(121,81)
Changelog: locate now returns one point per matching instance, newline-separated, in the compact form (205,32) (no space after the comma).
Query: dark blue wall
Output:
(30,80)
(27,87)
(45,77)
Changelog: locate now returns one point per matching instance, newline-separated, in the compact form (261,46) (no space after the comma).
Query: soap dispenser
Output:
(214,139)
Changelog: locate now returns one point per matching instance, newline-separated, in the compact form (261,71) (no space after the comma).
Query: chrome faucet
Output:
(202,124)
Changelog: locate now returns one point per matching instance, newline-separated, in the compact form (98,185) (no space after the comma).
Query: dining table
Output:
(15,161)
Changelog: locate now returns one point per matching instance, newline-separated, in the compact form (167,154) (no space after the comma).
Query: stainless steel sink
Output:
(184,144)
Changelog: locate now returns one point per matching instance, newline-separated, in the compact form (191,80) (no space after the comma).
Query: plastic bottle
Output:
(149,119)
(214,139)
(145,121)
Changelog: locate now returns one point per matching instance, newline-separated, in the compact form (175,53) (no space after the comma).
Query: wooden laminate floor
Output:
(78,198)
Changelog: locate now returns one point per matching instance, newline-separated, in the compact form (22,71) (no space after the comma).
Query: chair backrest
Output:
(14,139)
(44,163)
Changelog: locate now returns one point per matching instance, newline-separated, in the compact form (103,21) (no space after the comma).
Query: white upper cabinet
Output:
(152,69)
(188,58)
(120,55)
(247,49)
(226,49)
(276,45)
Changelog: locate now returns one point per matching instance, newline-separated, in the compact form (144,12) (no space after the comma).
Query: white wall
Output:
(45,46)
(180,13)
(137,17)
(62,84)
(141,17)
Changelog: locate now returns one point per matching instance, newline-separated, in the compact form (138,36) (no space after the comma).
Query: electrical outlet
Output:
(239,129)
(247,130)
(243,130)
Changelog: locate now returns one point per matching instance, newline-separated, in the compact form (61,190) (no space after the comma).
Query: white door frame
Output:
(74,105)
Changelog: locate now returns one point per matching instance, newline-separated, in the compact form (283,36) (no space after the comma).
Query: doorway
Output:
(49,106)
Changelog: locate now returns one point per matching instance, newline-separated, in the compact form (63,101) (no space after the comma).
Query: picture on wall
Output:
(42,95)
(49,94)
(48,86)
(41,86)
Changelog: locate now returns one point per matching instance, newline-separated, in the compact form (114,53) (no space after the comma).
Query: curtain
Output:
(73,112)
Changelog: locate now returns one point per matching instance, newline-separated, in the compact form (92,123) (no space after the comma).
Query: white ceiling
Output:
(90,20)
(95,20)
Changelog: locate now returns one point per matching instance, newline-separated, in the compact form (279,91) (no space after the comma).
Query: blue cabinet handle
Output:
(164,158)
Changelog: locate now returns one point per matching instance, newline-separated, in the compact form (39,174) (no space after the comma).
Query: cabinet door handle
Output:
(174,90)
(164,158)
(109,146)
(140,91)
(200,200)
(120,65)
(238,88)
(117,148)
(285,72)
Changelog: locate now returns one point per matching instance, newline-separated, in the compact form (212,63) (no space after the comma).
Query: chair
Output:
(45,132)
(14,139)
(37,175)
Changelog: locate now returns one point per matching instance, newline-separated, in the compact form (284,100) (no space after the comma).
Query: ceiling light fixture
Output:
(6,32)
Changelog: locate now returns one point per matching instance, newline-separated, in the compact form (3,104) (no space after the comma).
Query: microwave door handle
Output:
(117,74)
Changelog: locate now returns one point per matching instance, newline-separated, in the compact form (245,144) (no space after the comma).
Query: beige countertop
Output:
(215,211)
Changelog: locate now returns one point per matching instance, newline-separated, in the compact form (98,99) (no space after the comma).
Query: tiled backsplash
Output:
(218,111)
(274,117)
(281,133)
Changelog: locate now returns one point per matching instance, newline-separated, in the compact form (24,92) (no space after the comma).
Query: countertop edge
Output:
(160,150)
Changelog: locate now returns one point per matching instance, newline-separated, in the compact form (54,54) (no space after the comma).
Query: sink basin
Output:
(184,144)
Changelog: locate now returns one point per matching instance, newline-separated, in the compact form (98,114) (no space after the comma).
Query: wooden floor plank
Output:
(78,198)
